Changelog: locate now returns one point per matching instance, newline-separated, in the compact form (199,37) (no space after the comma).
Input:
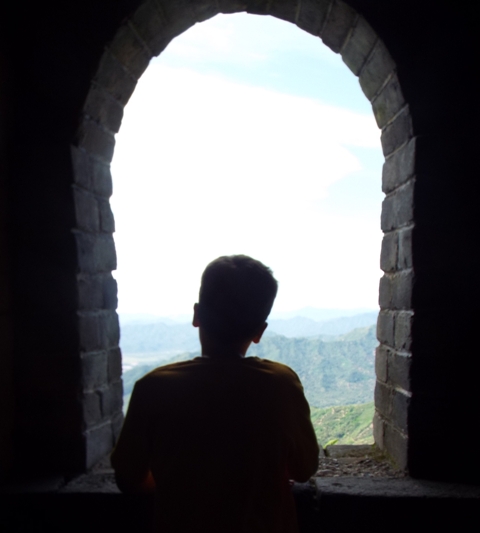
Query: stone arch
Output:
(144,34)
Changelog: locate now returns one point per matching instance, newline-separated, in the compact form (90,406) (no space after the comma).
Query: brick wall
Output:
(146,33)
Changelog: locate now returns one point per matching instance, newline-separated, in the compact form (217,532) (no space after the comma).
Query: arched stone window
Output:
(145,34)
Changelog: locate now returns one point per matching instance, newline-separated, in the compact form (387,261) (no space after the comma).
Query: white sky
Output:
(250,136)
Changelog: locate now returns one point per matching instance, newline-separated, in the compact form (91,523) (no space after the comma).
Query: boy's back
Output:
(218,438)
(222,438)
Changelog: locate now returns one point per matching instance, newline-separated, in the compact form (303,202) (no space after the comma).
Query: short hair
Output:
(236,296)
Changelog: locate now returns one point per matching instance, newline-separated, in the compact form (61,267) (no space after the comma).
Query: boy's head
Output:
(236,296)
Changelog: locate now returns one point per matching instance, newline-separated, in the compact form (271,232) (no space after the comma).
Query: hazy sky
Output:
(247,135)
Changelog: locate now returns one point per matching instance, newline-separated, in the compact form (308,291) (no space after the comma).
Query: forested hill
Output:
(167,338)
(337,372)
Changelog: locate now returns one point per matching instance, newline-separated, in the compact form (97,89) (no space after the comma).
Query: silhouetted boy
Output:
(218,438)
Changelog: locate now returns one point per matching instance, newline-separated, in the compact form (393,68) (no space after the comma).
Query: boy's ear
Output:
(195,321)
(258,336)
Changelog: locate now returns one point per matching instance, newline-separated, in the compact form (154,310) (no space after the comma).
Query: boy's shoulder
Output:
(171,369)
(193,365)
(275,369)
(268,364)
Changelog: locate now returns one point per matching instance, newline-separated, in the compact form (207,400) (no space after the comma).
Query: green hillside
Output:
(338,372)
(338,378)
(350,424)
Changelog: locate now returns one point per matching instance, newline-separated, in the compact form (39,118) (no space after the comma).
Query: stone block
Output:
(359,46)
(340,21)
(114,78)
(398,132)
(381,361)
(205,10)
(312,15)
(403,330)
(385,292)
(96,253)
(110,329)
(399,167)
(388,102)
(103,108)
(383,399)
(98,330)
(180,15)
(387,215)
(396,445)
(405,259)
(109,292)
(130,50)
(378,430)
(90,292)
(404,204)
(398,207)
(284,9)
(388,255)
(117,423)
(107,222)
(89,332)
(399,366)
(376,70)
(94,370)
(257,7)
(402,287)
(114,364)
(99,443)
(150,23)
(400,407)
(386,327)
(101,178)
(95,140)
(97,292)
(81,167)
(231,6)
(86,210)
(91,409)
(111,399)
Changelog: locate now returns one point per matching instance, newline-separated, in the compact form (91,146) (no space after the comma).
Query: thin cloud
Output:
(205,166)
(241,39)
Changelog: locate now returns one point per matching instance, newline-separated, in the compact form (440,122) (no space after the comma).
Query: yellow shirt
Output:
(221,437)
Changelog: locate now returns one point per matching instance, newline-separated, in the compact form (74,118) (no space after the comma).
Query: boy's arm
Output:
(130,458)
(304,449)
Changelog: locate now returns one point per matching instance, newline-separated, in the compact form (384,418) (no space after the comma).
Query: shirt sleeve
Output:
(304,449)
(130,457)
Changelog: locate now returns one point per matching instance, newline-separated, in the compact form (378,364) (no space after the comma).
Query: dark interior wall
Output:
(6,374)
(435,49)
(52,53)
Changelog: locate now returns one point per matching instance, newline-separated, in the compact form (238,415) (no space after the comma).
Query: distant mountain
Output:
(167,338)
(338,372)
(312,313)
(159,337)
(150,318)
(319,315)
(306,327)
